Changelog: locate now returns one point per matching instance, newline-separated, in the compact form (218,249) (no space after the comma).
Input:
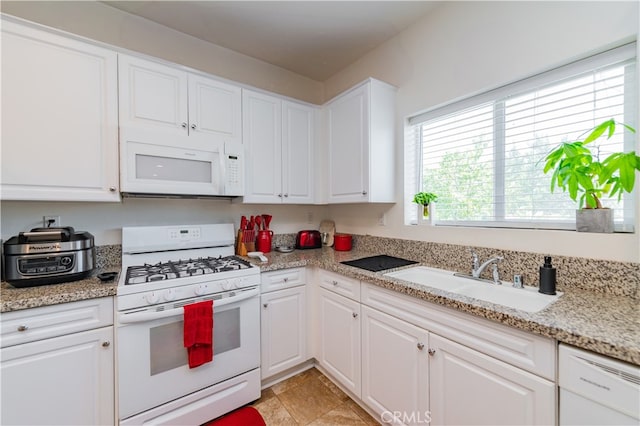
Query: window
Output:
(484,156)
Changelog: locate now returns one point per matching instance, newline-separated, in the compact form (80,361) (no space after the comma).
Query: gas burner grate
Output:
(183,268)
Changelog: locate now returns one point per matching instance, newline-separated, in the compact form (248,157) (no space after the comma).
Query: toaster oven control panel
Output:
(46,264)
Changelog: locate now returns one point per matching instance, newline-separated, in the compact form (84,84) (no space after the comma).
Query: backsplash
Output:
(603,276)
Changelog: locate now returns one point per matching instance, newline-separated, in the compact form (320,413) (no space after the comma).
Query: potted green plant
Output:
(587,179)
(425,199)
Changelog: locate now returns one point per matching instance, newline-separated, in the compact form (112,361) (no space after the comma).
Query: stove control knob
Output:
(226,284)
(236,283)
(201,289)
(170,295)
(151,298)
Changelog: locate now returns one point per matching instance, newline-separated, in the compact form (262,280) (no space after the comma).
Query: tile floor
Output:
(309,398)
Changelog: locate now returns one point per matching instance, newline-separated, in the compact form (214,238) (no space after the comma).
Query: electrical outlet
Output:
(50,221)
(382,219)
(309,217)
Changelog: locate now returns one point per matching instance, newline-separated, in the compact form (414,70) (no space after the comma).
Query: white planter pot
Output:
(594,220)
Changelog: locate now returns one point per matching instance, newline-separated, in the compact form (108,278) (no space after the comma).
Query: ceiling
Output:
(315,39)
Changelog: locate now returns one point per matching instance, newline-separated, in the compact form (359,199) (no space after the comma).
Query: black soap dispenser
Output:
(547,277)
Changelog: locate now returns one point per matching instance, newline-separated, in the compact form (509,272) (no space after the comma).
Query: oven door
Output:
(157,169)
(152,361)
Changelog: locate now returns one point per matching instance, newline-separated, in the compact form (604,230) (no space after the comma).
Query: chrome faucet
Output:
(476,270)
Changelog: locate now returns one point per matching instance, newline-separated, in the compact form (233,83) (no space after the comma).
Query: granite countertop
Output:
(603,323)
(14,299)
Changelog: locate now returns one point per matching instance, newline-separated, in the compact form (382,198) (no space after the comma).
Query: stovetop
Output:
(183,268)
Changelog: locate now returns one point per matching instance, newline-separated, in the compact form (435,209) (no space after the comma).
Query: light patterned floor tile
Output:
(274,413)
(343,415)
(309,401)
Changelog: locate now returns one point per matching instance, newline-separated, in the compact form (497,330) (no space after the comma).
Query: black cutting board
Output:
(379,263)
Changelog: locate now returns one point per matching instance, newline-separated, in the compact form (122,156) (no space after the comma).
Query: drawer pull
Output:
(420,346)
(432,352)
(355,315)
(285,279)
(334,282)
(106,344)
(265,305)
(23,328)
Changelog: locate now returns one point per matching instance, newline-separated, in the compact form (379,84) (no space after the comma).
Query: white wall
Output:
(464,48)
(105,220)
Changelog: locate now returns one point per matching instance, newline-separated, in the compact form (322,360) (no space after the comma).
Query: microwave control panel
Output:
(233,176)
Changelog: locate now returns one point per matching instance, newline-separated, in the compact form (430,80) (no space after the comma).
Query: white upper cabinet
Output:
(279,140)
(361,134)
(59,117)
(165,105)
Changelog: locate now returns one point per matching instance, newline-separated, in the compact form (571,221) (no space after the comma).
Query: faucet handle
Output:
(496,273)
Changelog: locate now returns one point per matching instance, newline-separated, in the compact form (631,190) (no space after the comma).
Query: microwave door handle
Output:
(124,318)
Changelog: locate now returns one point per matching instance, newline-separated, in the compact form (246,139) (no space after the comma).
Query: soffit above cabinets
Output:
(315,39)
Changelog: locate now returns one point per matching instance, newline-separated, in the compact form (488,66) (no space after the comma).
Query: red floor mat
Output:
(246,416)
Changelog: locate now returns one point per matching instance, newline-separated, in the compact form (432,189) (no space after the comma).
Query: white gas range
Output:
(165,268)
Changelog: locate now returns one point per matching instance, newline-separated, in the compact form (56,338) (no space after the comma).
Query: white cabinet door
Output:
(262,137)
(163,105)
(470,388)
(348,133)
(153,101)
(339,351)
(59,118)
(67,380)
(395,367)
(283,330)
(297,153)
(278,138)
(215,111)
(361,134)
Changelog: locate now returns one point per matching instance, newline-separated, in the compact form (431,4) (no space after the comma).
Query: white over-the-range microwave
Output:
(147,168)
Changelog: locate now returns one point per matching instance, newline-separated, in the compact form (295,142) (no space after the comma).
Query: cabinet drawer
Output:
(347,287)
(29,325)
(525,350)
(277,280)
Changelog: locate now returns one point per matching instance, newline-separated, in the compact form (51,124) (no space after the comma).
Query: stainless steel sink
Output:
(526,299)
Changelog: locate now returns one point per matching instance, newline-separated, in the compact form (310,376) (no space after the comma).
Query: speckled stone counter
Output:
(14,299)
(608,324)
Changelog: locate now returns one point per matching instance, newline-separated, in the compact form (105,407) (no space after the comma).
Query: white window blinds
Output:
(484,156)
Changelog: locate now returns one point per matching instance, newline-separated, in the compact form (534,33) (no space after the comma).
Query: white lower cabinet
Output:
(395,367)
(418,363)
(63,380)
(470,388)
(339,349)
(283,328)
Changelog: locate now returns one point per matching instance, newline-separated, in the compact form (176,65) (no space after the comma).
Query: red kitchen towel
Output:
(198,332)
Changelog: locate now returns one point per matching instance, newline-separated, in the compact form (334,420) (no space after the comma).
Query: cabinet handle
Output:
(355,315)
(364,192)
(285,279)
(106,344)
(286,195)
(280,195)
(432,352)
(420,346)
(265,305)
(334,282)
(193,126)
(112,189)
(184,125)
(23,328)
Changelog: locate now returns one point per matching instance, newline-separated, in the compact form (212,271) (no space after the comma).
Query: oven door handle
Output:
(124,318)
